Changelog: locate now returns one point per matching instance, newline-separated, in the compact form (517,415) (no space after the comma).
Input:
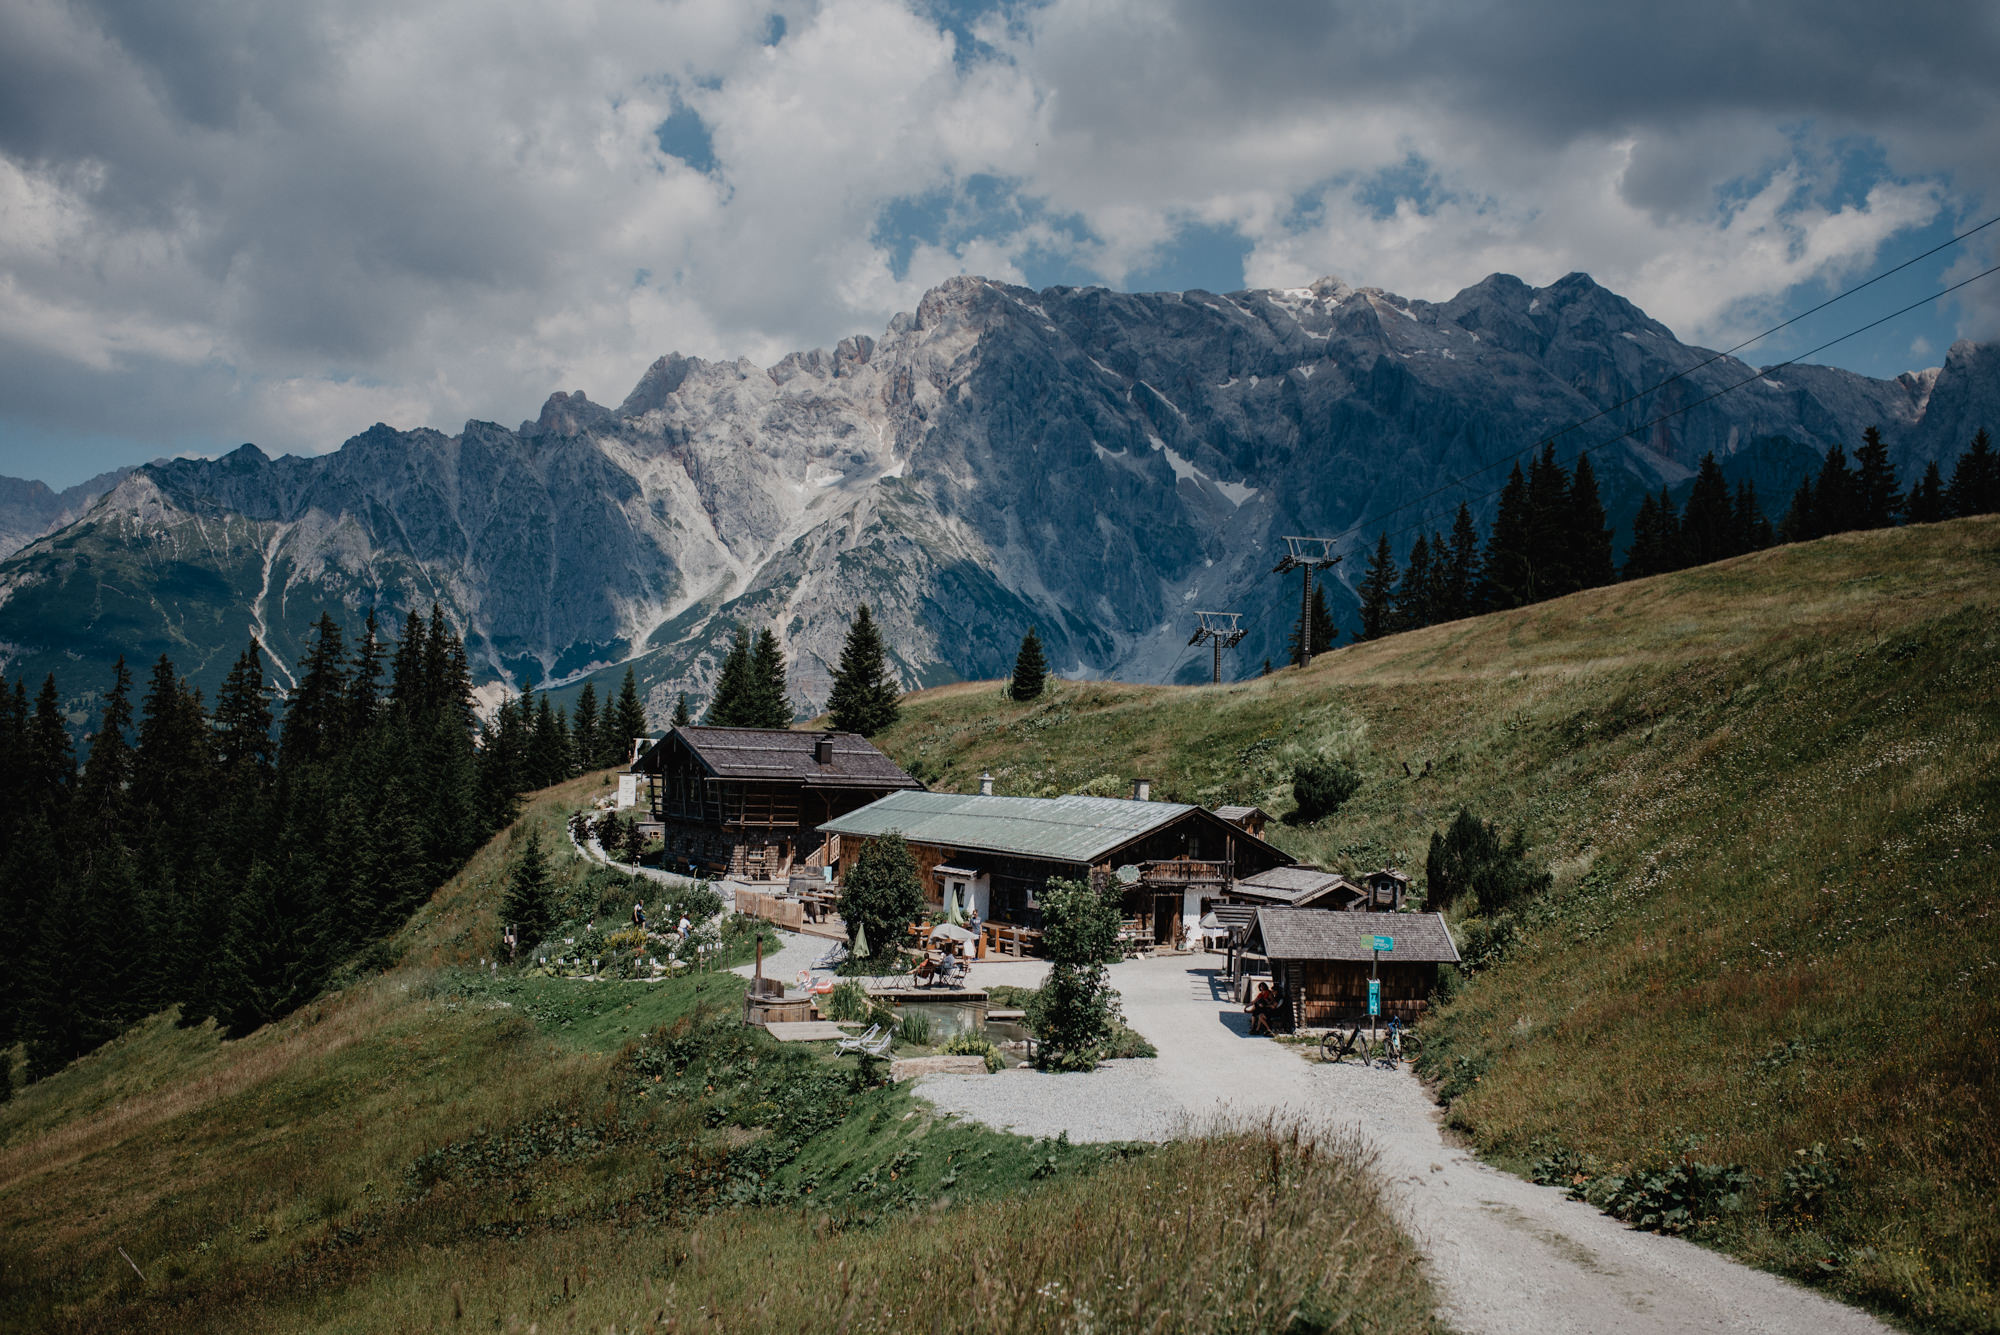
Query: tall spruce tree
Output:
(1504,575)
(316,711)
(1031,668)
(1753,528)
(1975,480)
(583,727)
(1835,500)
(1324,632)
(364,681)
(1708,524)
(682,717)
(733,705)
(1378,593)
(1799,523)
(1876,499)
(770,694)
(1414,601)
(1551,530)
(1461,569)
(1655,545)
(529,907)
(1926,503)
(629,714)
(865,697)
(1591,564)
(243,717)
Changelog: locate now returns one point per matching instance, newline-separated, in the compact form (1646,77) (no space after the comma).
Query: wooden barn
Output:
(1324,959)
(996,854)
(747,802)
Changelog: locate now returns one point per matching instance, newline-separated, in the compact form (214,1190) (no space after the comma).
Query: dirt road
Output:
(1509,1256)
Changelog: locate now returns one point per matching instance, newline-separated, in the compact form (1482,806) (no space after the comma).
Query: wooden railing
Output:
(1185,871)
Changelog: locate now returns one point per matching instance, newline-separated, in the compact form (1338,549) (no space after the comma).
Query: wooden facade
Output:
(1003,852)
(747,802)
(1325,959)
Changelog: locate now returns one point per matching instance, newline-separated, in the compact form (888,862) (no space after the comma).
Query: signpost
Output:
(1382,943)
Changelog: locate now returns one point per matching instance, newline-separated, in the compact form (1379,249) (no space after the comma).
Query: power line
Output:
(1716,357)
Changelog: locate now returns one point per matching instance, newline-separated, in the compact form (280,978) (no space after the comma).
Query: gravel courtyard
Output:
(1509,1256)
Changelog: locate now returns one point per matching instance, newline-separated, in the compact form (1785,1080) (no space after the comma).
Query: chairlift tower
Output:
(1307,554)
(1220,630)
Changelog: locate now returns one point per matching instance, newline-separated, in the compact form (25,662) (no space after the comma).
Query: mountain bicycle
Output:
(1343,1043)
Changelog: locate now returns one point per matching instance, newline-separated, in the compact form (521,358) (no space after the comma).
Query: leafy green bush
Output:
(847,1001)
(973,1045)
(1682,1197)
(1073,1012)
(1470,859)
(1321,787)
(883,896)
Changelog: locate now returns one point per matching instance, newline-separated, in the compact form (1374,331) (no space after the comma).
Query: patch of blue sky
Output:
(1383,193)
(1200,255)
(684,135)
(989,208)
(1911,341)
(774,29)
(961,19)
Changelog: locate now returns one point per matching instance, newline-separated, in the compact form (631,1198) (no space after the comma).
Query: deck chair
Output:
(835,956)
(880,1047)
(859,1044)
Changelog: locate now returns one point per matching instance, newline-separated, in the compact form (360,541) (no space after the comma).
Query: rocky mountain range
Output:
(1096,464)
(29,509)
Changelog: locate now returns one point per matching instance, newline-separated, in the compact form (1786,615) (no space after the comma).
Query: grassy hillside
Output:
(434,1142)
(1769,795)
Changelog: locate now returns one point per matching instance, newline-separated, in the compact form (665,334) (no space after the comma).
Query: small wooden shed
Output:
(1324,958)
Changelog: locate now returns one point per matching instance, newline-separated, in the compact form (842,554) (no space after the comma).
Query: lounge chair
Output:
(879,1048)
(835,956)
(860,1044)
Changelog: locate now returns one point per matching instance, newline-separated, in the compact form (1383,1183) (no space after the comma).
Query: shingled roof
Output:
(780,754)
(1327,934)
(1296,886)
(1061,829)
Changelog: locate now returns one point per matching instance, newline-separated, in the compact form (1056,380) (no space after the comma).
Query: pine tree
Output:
(243,717)
(1551,529)
(1378,589)
(628,715)
(732,704)
(682,717)
(1708,525)
(529,907)
(770,699)
(50,759)
(315,715)
(1836,505)
(583,727)
(1656,543)
(865,697)
(1413,606)
(1504,580)
(1753,529)
(1926,505)
(1461,570)
(1876,500)
(364,681)
(1324,632)
(1031,668)
(1975,480)
(406,669)
(1591,564)
(548,747)
(1799,524)
(104,793)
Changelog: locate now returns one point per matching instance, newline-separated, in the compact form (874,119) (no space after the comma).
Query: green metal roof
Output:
(1062,829)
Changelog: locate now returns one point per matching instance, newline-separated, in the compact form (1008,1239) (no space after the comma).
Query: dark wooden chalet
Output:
(747,802)
(997,854)
(1297,887)
(1324,959)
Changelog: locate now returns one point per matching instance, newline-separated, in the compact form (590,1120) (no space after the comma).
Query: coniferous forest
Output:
(230,858)
(1549,536)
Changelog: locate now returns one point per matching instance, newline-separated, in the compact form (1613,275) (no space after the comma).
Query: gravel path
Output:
(798,952)
(1510,1257)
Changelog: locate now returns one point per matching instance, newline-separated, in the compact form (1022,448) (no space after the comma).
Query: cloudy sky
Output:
(231,220)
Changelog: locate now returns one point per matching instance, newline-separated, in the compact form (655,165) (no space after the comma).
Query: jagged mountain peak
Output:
(1088,461)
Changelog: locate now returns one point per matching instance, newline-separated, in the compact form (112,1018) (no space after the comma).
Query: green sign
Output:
(1375,996)
(1385,943)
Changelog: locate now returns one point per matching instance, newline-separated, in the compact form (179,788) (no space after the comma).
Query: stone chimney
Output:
(985,785)
(823,749)
(1142,790)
